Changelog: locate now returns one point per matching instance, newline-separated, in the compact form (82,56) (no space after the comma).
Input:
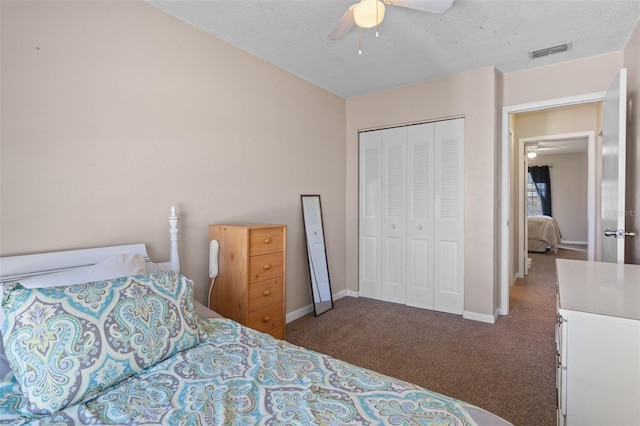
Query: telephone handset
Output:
(214,249)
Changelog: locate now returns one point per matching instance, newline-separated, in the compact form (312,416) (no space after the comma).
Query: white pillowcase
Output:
(119,265)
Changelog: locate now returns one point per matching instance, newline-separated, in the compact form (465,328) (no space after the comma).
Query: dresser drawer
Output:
(264,319)
(265,240)
(262,293)
(277,332)
(265,266)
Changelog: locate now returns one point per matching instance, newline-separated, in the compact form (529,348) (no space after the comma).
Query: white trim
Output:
(475,316)
(299,313)
(584,243)
(345,293)
(506,179)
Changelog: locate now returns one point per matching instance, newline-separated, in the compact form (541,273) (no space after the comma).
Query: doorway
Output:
(571,159)
(509,191)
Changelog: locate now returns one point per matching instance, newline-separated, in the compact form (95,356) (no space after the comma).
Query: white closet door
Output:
(393,261)
(370,217)
(420,193)
(449,217)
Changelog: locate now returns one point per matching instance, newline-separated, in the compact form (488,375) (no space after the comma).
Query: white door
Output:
(393,261)
(370,208)
(420,193)
(449,217)
(614,114)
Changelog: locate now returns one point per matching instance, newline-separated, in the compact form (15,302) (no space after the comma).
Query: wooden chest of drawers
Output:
(250,287)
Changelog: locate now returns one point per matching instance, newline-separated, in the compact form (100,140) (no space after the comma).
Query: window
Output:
(534,203)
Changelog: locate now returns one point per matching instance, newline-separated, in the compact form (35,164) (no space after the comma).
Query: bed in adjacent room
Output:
(543,234)
(105,336)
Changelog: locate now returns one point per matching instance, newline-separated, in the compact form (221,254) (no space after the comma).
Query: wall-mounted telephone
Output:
(214,249)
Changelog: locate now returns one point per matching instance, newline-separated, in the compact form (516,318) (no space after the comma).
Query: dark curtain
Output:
(540,177)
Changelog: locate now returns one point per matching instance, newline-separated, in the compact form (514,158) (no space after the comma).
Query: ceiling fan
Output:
(369,13)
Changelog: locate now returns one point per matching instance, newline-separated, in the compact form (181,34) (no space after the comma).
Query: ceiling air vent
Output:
(550,50)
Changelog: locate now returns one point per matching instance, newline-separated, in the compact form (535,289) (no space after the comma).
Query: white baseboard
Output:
(345,293)
(299,313)
(583,243)
(490,319)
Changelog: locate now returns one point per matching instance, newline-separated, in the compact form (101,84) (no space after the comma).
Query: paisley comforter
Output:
(237,376)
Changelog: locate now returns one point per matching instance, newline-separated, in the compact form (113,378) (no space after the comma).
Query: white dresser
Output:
(598,343)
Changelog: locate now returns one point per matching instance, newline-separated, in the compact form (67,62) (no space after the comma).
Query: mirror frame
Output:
(319,307)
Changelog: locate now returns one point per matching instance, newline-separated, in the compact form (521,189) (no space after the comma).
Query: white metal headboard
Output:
(18,267)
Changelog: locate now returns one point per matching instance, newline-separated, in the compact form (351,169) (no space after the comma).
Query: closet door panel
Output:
(393,288)
(449,217)
(447,278)
(420,193)
(370,214)
(394,145)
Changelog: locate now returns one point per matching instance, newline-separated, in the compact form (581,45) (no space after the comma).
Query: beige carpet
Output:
(507,368)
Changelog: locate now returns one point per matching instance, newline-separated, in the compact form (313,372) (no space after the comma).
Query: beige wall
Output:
(114,111)
(578,77)
(632,63)
(568,175)
(471,95)
(571,119)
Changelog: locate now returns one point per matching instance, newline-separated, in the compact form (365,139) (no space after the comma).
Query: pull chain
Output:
(377,18)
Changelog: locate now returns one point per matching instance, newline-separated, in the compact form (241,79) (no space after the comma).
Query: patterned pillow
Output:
(66,344)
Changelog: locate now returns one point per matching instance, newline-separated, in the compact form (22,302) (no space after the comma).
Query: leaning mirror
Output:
(316,254)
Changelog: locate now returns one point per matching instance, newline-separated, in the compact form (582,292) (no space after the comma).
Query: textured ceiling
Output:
(413,46)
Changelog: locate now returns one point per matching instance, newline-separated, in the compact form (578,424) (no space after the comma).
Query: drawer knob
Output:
(266,319)
(267,240)
(267,293)
(267,267)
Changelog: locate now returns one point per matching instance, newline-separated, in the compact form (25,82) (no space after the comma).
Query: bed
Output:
(105,336)
(543,234)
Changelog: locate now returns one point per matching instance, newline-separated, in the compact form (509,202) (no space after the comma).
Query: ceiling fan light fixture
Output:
(368,13)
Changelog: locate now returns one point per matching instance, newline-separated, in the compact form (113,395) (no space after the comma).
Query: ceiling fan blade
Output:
(433,6)
(344,26)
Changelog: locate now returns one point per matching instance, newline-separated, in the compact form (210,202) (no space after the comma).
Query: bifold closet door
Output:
(383,249)
(411,215)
